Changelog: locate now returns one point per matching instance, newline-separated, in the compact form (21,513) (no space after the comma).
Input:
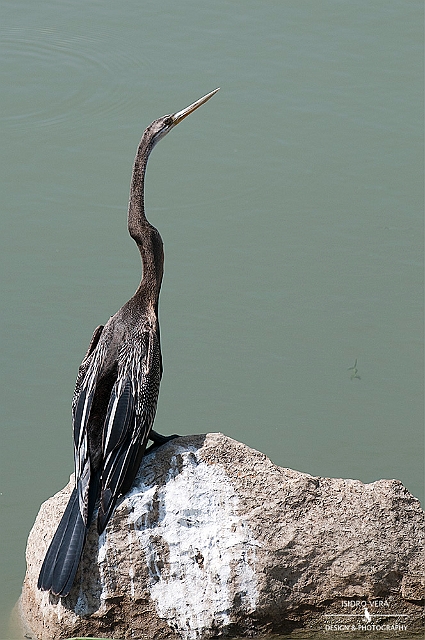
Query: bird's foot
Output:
(158,439)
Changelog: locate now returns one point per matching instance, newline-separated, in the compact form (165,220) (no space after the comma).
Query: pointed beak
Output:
(181,115)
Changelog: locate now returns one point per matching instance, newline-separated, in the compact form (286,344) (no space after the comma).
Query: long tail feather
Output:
(70,528)
(64,553)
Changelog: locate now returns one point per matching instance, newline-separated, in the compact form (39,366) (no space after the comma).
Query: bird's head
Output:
(159,128)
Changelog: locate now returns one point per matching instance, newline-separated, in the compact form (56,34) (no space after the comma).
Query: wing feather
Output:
(130,416)
(83,400)
(118,417)
(63,555)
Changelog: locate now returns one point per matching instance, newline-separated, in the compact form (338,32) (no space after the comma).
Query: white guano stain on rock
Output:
(82,607)
(102,557)
(196,547)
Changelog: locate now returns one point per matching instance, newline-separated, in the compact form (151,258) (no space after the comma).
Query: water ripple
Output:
(54,79)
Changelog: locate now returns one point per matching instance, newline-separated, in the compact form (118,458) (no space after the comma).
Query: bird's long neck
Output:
(143,233)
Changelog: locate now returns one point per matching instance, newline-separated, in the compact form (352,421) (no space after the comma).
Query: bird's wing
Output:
(93,342)
(129,418)
(85,388)
(85,364)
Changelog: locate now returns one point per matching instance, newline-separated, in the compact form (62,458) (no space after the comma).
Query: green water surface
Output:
(291,208)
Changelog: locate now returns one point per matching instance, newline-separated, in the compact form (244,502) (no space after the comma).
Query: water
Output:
(291,209)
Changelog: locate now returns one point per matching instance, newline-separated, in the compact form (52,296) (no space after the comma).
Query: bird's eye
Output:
(168,121)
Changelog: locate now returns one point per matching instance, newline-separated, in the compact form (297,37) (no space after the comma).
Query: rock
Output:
(214,539)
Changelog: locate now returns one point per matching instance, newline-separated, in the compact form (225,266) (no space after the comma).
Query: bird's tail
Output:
(63,555)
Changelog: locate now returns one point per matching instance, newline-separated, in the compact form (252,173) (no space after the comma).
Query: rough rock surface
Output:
(214,539)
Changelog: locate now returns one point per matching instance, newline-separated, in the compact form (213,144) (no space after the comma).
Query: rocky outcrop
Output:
(214,539)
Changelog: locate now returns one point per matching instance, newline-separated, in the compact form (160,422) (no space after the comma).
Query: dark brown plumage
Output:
(117,388)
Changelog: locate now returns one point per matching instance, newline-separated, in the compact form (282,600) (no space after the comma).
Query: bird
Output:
(116,390)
